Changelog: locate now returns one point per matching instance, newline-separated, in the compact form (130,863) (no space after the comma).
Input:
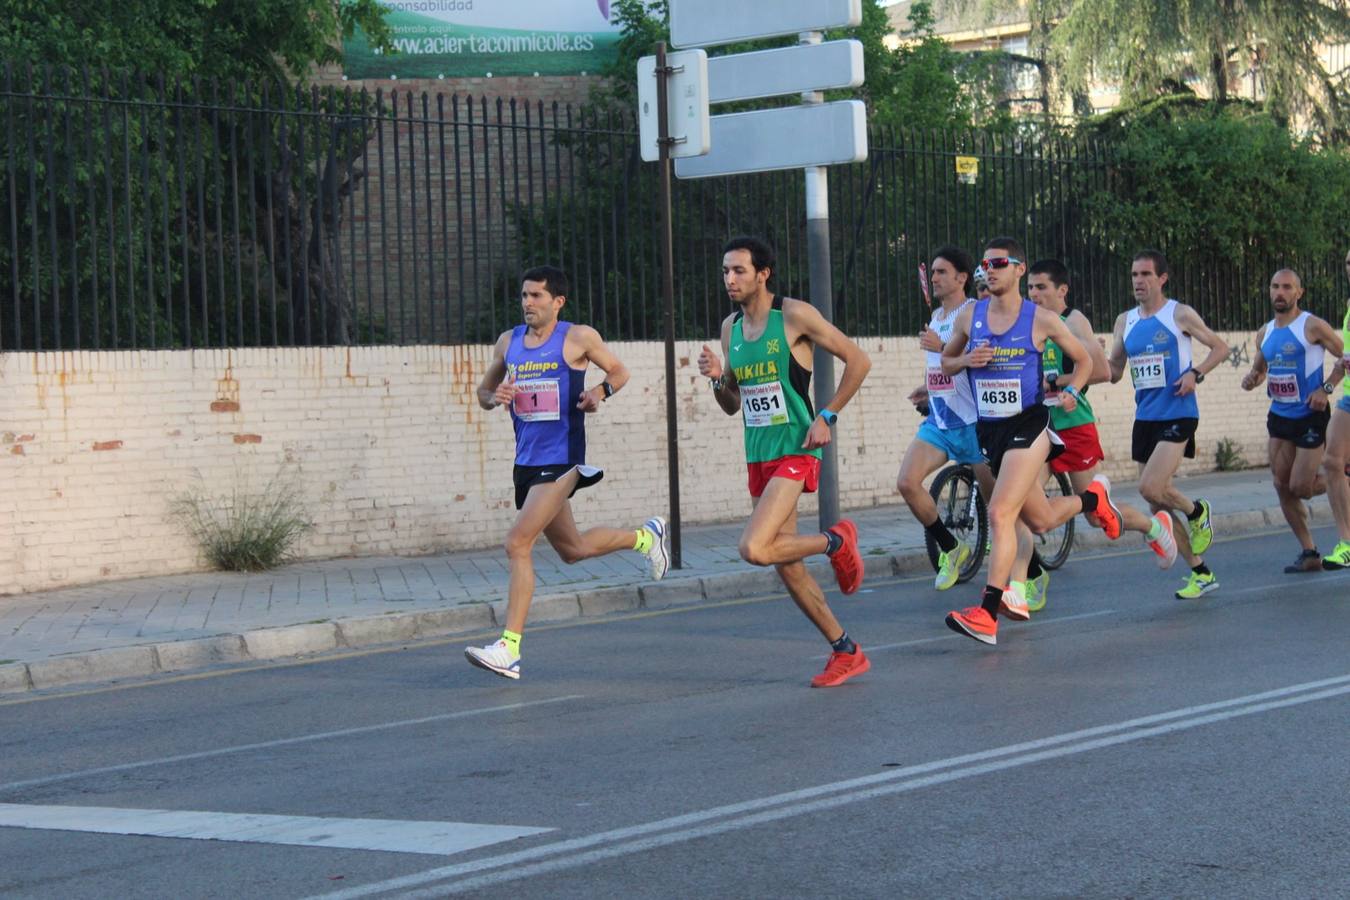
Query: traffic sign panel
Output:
(788,70)
(687,113)
(794,137)
(708,23)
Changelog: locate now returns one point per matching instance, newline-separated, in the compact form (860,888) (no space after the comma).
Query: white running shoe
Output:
(1165,547)
(1014,604)
(495,658)
(658,557)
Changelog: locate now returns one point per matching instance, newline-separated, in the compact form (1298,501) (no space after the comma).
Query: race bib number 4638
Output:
(1147,371)
(999,398)
(763,405)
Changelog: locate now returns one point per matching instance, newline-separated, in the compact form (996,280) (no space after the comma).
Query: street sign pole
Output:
(664,140)
(822,298)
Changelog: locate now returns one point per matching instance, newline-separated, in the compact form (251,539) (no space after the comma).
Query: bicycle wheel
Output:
(962,510)
(1054,546)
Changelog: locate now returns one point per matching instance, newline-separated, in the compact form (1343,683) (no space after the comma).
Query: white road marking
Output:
(388,835)
(282,742)
(951,634)
(690,826)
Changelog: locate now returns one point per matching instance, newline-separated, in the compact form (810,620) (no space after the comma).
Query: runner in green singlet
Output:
(769,343)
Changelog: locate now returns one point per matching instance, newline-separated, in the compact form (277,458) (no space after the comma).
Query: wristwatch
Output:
(830,416)
(1329,387)
(718,383)
(608,389)
(1199,376)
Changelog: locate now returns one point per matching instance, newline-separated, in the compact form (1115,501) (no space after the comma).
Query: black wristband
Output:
(608,389)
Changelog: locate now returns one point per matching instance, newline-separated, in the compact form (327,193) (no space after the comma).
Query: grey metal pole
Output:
(664,141)
(822,298)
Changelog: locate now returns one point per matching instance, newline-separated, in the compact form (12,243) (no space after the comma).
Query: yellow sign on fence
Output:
(967,169)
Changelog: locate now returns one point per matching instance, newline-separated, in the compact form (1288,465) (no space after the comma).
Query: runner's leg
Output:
(542,505)
(764,542)
(1156,487)
(1282,457)
(1333,470)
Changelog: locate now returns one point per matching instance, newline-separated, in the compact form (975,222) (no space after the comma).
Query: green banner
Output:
(475,38)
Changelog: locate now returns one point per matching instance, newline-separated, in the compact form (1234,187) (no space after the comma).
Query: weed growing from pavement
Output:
(245,531)
(1228,456)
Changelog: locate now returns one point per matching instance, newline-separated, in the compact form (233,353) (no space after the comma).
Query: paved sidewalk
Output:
(146,626)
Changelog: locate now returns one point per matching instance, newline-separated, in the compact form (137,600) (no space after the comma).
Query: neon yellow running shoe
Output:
(1036,589)
(1202,531)
(1198,585)
(949,566)
(1338,558)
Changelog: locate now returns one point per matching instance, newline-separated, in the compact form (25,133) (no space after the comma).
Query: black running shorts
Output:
(527,477)
(1307,433)
(1148,435)
(998,436)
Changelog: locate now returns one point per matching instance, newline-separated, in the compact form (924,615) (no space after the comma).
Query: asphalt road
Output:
(1123,743)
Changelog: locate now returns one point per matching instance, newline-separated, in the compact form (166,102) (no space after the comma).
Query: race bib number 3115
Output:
(1147,371)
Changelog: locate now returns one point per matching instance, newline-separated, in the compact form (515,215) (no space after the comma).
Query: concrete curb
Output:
(293,641)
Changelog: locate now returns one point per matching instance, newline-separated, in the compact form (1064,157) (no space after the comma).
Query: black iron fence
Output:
(142,214)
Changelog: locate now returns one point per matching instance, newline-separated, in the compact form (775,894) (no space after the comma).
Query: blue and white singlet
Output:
(951,403)
(550,430)
(1294,367)
(1011,382)
(1159,353)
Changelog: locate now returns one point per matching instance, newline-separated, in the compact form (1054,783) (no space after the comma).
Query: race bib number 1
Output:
(537,401)
(1147,371)
(763,405)
(999,398)
(1283,388)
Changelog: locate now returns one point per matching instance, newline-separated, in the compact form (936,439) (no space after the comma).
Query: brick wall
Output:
(394,456)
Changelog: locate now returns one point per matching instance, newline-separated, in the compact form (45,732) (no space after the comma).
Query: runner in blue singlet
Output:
(999,342)
(1290,353)
(1154,341)
(538,371)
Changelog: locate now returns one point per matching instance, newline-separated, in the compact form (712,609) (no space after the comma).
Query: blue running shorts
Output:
(960,444)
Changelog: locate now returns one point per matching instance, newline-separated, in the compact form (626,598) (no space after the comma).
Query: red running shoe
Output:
(847,561)
(841,667)
(974,621)
(1107,514)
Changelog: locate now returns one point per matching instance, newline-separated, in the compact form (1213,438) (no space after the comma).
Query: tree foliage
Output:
(135,167)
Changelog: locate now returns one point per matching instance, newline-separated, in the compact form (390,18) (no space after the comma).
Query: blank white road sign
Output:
(708,23)
(687,99)
(794,137)
(788,70)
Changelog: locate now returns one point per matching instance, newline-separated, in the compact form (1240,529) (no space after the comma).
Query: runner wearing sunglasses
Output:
(1154,340)
(1290,351)
(1000,343)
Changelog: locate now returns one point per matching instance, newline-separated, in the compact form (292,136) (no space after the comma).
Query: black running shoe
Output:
(1307,561)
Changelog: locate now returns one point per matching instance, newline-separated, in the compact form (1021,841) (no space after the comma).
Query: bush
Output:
(1228,456)
(244,531)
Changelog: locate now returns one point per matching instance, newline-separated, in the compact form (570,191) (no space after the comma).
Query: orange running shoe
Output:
(1107,513)
(841,667)
(974,621)
(847,561)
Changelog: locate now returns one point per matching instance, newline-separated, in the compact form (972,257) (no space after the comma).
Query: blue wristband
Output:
(829,416)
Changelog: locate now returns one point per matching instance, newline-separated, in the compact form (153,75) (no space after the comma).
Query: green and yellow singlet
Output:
(1053,360)
(775,401)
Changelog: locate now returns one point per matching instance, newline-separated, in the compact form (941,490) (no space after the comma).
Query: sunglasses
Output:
(1000,262)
